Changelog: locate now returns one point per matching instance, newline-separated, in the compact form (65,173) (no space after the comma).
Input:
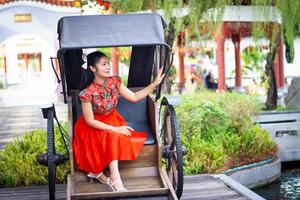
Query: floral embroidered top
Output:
(104,97)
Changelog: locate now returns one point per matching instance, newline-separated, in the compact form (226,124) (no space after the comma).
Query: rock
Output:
(292,99)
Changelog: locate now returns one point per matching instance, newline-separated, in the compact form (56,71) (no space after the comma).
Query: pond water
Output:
(287,188)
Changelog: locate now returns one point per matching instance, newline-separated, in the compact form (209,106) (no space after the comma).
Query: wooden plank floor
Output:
(32,193)
(204,187)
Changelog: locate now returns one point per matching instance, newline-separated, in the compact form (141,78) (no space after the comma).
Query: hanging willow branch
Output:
(199,14)
(289,10)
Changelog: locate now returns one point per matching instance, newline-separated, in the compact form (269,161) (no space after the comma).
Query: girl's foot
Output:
(100,177)
(117,186)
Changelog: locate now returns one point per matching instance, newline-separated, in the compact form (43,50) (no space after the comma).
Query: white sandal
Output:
(97,177)
(117,190)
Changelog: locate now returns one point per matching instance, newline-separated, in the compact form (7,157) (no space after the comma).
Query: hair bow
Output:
(84,58)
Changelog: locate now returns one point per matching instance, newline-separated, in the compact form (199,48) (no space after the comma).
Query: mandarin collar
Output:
(104,83)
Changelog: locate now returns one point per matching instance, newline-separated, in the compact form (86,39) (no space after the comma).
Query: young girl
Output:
(101,135)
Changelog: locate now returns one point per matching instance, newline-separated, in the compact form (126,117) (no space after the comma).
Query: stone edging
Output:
(241,189)
(260,175)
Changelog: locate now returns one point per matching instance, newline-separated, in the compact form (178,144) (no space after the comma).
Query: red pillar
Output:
(26,60)
(5,73)
(114,54)
(276,60)
(221,63)
(180,44)
(181,68)
(115,60)
(281,65)
(238,71)
(276,70)
(5,66)
(40,61)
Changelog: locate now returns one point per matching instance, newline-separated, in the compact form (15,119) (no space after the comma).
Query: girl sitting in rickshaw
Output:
(101,135)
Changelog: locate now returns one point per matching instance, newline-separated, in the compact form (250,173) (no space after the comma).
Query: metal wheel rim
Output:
(51,155)
(174,165)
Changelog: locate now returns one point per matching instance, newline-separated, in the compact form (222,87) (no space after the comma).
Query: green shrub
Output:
(18,161)
(203,157)
(219,132)
(208,114)
(254,144)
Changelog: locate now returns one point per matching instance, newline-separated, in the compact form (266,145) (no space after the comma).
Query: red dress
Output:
(93,148)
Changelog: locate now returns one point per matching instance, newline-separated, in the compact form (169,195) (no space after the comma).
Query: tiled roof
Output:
(67,3)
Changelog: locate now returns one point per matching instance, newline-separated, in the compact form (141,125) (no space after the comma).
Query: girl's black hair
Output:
(88,75)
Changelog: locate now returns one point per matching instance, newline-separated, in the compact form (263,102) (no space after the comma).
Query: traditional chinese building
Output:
(236,24)
(28,35)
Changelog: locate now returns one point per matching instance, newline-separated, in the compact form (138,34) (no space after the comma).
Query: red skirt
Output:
(94,149)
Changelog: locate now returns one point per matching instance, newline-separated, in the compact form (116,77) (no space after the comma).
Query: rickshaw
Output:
(158,171)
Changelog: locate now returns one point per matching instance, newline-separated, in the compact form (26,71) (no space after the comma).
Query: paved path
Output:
(34,89)
(20,106)
(15,120)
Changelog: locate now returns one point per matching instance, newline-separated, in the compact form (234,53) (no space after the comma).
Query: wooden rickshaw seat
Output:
(142,176)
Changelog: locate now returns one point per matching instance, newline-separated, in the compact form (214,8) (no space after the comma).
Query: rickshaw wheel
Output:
(51,155)
(172,150)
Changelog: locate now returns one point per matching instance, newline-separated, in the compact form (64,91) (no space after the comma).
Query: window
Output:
(26,17)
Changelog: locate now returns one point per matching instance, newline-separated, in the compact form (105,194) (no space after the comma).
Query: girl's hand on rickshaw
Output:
(125,130)
(158,78)
(137,96)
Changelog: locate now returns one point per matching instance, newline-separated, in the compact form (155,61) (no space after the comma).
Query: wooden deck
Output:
(207,187)
(204,187)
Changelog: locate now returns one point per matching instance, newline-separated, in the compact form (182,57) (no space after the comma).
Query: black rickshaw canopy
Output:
(111,30)
(143,32)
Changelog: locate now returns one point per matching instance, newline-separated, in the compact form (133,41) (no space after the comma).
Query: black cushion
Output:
(136,116)
(142,126)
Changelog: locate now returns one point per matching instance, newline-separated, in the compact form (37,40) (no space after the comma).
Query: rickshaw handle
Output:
(51,58)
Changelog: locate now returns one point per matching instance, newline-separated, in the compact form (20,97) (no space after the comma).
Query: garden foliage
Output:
(18,161)
(219,132)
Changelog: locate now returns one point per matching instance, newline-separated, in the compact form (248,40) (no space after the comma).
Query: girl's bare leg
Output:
(115,174)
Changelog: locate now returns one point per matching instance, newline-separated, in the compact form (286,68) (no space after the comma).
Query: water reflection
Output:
(287,188)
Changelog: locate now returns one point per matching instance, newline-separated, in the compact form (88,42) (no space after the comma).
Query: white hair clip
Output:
(84,58)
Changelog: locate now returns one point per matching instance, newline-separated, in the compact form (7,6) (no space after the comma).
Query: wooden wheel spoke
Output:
(170,142)
(175,180)
(172,145)
(174,170)
(168,164)
(170,175)
(174,164)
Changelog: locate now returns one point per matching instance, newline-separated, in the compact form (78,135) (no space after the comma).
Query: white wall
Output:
(43,26)
(12,60)
(293,69)
(44,20)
